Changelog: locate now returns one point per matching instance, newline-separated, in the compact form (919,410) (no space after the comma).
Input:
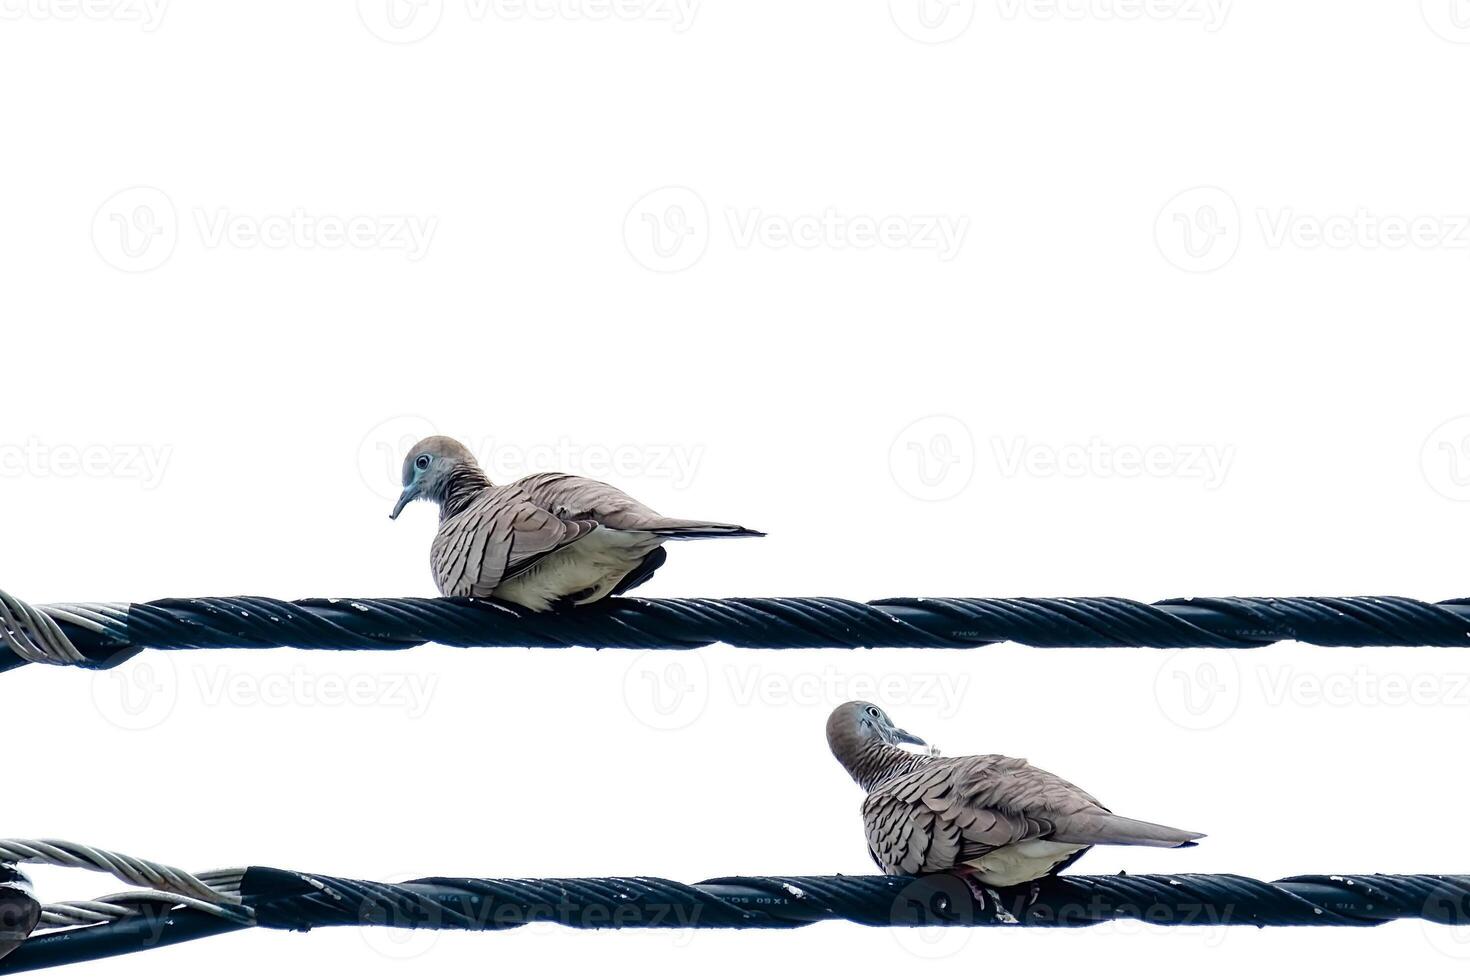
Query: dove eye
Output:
(873,712)
(422,462)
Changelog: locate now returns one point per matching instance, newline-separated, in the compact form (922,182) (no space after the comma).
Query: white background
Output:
(205,390)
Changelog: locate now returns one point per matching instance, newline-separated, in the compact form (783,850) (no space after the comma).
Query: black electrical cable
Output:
(296,901)
(774,624)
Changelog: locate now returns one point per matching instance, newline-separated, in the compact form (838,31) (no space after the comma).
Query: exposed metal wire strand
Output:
(215,893)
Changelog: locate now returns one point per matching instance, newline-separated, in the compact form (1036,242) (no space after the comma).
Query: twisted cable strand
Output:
(292,900)
(104,634)
(767,902)
(152,875)
(33,635)
(110,908)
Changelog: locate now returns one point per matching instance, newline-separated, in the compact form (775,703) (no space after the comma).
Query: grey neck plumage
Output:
(871,761)
(463,484)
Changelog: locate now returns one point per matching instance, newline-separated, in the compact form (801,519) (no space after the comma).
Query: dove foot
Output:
(977,891)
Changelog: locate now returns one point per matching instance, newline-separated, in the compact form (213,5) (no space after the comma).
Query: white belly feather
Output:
(1018,863)
(598,562)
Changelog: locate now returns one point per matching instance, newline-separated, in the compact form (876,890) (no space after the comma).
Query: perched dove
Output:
(995,819)
(546,541)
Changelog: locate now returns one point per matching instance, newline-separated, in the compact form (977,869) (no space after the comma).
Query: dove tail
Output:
(688,530)
(1101,827)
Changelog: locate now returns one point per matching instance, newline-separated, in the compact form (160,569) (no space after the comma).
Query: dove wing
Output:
(503,533)
(578,498)
(955,810)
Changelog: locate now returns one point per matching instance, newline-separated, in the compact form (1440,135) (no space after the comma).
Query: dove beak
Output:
(408,494)
(899,735)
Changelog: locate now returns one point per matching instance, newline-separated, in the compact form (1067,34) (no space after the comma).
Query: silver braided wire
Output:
(110,908)
(215,892)
(34,635)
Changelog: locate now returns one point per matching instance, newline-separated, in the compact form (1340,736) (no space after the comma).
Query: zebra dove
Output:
(993,819)
(544,542)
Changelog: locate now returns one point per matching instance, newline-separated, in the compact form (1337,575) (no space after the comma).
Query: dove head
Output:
(864,739)
(430,469)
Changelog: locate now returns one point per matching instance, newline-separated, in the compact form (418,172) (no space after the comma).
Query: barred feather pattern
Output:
(995,817)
